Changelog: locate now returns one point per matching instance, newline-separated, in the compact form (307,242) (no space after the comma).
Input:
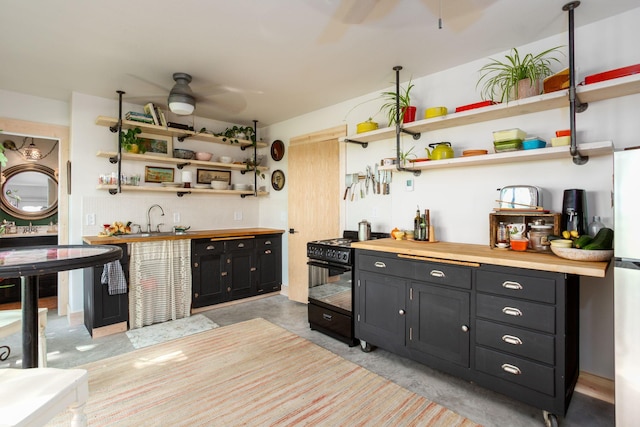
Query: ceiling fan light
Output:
(181,104)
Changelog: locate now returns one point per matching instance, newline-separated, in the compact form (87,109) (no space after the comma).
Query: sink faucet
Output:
(149,217)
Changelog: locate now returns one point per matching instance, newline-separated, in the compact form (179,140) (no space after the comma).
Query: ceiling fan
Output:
(460,14)
(182,100)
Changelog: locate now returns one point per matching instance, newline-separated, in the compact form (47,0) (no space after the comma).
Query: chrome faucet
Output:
(149,217)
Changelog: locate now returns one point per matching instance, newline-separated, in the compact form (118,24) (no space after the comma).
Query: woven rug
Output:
(166,331)
(252,373)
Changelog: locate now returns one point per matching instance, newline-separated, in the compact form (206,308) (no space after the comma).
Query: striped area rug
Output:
(252,373)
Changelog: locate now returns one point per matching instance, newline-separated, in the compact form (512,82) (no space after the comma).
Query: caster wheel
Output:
(550,420)
(365,346)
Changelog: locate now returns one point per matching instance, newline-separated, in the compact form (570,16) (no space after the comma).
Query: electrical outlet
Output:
(176,217)
(237,215)
(91,219)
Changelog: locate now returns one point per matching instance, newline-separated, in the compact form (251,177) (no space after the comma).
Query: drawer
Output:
(520,342)
(517,312)
(528,374)
(443,274)
(240,244)
(330,320)
(517,286)
(206,246)
(382,265)
(268,242)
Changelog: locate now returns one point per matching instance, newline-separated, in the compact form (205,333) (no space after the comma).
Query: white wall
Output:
(460,199)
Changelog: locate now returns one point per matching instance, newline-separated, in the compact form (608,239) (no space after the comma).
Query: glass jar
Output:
(595,226)
(538,237)
(502,234)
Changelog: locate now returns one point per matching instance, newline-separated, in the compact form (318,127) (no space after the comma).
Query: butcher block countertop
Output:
(483,254)
(222,234)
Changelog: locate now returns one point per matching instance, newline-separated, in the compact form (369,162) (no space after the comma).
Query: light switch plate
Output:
(176,217)
(408,184)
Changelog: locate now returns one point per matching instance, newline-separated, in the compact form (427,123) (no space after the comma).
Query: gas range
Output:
(337,250)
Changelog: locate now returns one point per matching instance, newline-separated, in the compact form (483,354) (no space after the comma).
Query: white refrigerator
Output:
(626,189)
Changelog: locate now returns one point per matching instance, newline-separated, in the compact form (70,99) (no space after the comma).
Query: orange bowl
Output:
(519,244)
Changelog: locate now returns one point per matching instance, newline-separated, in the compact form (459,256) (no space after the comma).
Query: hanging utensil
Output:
(347,182)
(376,188)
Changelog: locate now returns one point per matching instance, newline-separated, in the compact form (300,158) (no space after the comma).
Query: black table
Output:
(29,262)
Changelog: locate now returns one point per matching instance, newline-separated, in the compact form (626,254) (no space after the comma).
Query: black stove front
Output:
(331,286)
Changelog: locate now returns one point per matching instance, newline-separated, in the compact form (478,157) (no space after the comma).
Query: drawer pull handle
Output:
(464,328)
(223,274)
(241,245)
(210,247)
(512,311)
(268,242)
(510,339)
(511,369)
(326,316)
(268,251)
(380,264)
(401,312)
(512,285)
(436,273)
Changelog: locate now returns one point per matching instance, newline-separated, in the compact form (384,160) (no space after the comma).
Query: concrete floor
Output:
(72,346)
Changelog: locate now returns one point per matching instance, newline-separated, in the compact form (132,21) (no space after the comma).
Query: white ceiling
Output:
(269,60)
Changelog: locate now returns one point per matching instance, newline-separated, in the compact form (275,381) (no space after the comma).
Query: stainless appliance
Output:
(627,286)
(331,285)
(520,197)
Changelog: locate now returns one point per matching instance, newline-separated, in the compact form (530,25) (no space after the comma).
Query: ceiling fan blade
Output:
(457,14)
(354,12)
(230,103)
(164,89)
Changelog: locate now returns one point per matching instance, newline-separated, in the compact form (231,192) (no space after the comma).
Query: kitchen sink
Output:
(153,234)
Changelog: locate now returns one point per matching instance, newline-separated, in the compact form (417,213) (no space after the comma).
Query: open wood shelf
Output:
(178,133)
(608,89)
(172,160)
(589,149)
(176,190)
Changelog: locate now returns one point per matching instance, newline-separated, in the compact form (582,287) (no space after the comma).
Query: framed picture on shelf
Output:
(156,145)
(158,174)
(205,176)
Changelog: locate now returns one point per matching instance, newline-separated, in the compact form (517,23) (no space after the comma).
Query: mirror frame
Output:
(28,167)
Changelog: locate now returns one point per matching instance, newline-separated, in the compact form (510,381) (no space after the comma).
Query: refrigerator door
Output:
(627,339)
(626,203)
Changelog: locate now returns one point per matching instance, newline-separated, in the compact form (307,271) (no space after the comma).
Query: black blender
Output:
(574,211)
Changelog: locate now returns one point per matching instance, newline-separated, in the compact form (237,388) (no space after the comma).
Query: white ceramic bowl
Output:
(582,254)
(200,155)
(241,187)
(225,159)
(219,185)
(562,243)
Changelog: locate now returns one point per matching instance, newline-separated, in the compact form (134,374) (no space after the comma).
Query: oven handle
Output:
(333,267)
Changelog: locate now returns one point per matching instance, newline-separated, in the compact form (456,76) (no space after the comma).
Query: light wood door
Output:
(314,200)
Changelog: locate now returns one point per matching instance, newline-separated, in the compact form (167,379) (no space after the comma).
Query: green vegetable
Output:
(582,241)
(602,240)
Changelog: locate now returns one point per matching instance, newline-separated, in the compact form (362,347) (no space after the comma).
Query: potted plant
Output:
(234,134)
(517,76)
(131,142)
(401,99)
(406,156)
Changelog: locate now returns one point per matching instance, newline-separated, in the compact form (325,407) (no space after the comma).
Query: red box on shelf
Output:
(476,105)
(612,74)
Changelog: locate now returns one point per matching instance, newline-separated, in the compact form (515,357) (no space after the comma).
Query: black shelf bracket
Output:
(416,135)
(353,141)
(182,193)
(181,138)
(113,159)
(117,126)
(113,191)
(181,165)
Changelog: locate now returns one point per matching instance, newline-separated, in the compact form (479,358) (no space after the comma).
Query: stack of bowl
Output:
(508,140)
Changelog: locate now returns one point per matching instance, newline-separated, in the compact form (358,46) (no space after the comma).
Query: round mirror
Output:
(29,191)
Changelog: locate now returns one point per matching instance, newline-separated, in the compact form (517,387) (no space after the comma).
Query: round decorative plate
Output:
(277,180)
(277,150)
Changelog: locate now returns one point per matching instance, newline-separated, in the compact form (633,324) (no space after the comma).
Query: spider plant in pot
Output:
(516,76)
(402,99)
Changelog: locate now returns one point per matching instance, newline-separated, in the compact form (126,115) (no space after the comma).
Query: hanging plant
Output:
(394,100)
(234,134)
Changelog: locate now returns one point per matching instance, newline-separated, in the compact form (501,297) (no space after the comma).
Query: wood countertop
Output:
(199,234)
(483,254)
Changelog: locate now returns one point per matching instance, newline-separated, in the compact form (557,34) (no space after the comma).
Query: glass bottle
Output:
(502,235)
(416,226)
(595,226)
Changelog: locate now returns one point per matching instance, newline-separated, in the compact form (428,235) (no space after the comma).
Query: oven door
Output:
(330,300)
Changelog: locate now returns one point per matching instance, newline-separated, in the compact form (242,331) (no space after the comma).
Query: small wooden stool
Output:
(11,322)
(32,397)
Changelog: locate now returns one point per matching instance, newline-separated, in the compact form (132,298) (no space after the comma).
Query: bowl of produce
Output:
(180,153)
(576,254)
(201,155)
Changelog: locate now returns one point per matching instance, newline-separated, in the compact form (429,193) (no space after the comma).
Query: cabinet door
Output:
(380,310)
(439,322)
(269,263)
(240,269)
(207,285)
